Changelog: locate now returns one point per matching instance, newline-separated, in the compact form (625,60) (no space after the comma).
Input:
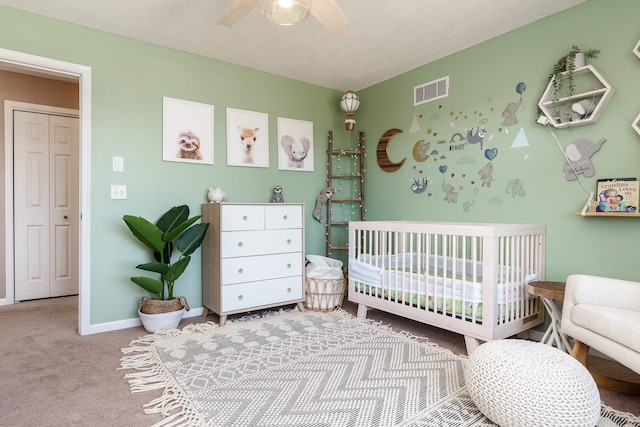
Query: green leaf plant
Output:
(563,70)
(174,230)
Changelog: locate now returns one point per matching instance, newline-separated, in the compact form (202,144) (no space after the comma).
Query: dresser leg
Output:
(205,311)
(223,320)
(301,307)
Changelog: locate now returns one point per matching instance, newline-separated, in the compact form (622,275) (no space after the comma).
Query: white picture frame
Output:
(247,138)
(187,131)
(295,145)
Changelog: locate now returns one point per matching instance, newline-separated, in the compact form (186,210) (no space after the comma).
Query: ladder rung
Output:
(348,151)
(345,199)
(339,248)
(339,223)
(346,175)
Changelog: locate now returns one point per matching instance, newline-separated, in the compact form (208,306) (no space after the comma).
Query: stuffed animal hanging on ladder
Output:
(321,201)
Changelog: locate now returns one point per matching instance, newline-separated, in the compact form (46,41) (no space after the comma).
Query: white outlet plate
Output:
(119,192)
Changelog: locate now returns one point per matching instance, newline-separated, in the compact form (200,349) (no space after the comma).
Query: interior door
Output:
(45,205)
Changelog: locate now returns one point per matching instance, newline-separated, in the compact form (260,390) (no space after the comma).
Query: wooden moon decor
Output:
(383,157)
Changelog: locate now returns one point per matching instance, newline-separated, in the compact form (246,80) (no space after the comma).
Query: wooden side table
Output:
(548,292)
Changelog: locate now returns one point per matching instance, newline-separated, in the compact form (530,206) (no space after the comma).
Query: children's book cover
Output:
(618,195)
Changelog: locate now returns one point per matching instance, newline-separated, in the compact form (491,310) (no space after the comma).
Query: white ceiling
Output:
(387,38)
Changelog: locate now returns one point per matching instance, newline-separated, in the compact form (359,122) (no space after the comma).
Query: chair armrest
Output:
(584,289)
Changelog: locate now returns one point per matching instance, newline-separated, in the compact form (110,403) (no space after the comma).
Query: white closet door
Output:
(45,205)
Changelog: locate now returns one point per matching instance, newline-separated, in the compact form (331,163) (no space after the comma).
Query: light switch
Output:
(118,191)
(118,164)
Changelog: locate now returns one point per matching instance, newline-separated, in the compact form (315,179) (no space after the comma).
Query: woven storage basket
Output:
(324,294)
(156,306)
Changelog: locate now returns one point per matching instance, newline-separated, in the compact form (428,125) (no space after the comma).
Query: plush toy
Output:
(321,201)
(216,195)
(577,111)
(583,108)
(277,195)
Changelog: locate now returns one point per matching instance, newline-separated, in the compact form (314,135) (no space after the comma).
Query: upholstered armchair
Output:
(604,314)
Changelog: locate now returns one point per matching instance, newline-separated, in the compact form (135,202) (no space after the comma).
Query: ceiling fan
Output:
(289,12)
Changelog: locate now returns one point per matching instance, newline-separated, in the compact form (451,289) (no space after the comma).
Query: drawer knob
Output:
(239,244)
(288,240)
(285,217)
(244,217)
(289,265)
(240,270)
(288,289)
(240,297)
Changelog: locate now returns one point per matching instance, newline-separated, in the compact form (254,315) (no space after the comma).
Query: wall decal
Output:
(478,137)
(579,158)
(467,205)
(420,150)
(520,140)
(486,174)
(419,185)
(415,126)
(509,113)
(491,153)
(381,152)
(515,188)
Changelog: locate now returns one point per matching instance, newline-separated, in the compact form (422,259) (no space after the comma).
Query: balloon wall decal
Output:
(491,153)
(381,152)
(443,168)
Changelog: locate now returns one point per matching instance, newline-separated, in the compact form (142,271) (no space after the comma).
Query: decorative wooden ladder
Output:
(338,178)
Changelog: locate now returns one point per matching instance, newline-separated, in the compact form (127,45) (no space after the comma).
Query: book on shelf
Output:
(617,195)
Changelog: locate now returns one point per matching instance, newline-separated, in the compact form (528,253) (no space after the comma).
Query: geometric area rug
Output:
(290,368)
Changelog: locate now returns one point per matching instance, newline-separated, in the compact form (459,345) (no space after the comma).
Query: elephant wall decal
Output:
(579,158)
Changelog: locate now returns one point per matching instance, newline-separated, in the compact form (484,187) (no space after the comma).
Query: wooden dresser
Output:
(252,257)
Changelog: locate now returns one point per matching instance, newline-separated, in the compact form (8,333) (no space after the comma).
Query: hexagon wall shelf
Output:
(636,124)
(599,95)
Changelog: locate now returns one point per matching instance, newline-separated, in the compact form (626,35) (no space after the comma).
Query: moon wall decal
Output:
(381,152)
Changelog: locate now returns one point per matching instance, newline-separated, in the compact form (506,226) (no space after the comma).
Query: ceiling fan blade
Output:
(331,16)
(235,12)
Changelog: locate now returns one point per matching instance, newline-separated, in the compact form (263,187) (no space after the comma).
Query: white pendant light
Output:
(286,12)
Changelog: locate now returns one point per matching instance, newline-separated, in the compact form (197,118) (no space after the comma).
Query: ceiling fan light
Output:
(286,12)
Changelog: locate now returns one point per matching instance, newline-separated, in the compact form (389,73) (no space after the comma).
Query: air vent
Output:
(431,91)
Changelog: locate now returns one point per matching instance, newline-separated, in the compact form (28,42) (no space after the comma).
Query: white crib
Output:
(464,277)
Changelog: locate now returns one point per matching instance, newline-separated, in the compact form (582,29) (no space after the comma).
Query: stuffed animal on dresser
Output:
(321,201)
(216,195)
(277,195)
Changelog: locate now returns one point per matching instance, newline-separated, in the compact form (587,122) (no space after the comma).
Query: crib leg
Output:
(362,311)
(472,343)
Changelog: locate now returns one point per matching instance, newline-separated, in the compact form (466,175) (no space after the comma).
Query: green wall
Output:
(129,79)
(483,80)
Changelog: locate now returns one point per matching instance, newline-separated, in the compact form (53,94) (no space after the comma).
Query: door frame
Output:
(43,66)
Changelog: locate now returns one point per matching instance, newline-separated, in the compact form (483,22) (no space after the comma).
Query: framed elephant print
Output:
(295,145)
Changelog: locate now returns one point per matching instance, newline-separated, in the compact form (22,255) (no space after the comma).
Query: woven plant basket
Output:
(156,306)
(324,294)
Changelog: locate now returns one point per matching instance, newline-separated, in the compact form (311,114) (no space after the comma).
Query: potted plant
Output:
(567,64)
(174,230)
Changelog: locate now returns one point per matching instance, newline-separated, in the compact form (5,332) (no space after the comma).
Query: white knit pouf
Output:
(525,383)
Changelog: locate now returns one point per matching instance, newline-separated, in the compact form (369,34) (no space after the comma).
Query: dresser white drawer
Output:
(242,217)
(247,243)
(265,292)
(279,216)
(253,268)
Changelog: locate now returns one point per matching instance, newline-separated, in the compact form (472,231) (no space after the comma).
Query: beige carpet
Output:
(51,376)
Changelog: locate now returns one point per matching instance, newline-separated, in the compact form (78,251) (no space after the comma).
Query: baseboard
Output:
(133,322)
